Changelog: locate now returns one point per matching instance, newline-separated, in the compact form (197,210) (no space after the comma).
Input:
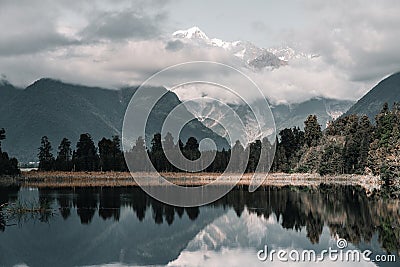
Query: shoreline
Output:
(114,179)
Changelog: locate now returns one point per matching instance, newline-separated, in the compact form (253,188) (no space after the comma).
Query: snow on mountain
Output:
(191,33)
(287,53)
(286,116)
(230,230)
(254,57)
(242,121)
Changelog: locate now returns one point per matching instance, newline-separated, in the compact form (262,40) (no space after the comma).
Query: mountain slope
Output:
(57,109)
(286,116)
(387,90)
(7,92)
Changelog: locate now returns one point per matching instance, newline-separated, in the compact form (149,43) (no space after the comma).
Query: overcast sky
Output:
(114,43)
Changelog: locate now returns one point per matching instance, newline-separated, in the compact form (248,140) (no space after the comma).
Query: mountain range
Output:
(285,115)
(58,109)
(250,55)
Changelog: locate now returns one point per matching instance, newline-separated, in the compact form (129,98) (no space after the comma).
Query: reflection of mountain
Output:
(124,224)
(90,234)
(248,231)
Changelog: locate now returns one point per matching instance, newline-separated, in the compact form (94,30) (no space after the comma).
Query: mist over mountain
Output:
(285,115)
(386,91)
(58,109)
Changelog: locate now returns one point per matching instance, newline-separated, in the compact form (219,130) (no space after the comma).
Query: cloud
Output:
(358,39)
(107,43)
(174,45)
(124,25)
(29,28)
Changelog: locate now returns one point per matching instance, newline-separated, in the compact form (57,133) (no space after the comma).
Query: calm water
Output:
(125,227)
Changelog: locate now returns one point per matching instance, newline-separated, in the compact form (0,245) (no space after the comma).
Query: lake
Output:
(122,226)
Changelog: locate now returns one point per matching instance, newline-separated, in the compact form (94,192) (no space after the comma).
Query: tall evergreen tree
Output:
(365,136)
(86,157)
(157,156)
(46,158)
(191,149)
(254,150)
(106,154)
(170,148)
(117,155)
(312,131)
(64,156)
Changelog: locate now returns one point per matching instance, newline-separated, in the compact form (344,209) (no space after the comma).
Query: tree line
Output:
(349,145)
(108,156)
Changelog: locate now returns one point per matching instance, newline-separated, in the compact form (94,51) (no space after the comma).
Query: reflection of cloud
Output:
(234,241)
(245,257)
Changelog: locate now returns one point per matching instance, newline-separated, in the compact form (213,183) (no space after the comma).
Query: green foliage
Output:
(312,131)
(351,144)
(46,158)
(64,157)
(85,158)
(8,166)
(332,161)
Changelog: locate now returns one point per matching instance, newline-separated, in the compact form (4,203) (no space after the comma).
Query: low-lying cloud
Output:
(112,45)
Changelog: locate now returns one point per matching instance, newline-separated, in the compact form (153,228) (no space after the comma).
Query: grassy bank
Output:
(87,179)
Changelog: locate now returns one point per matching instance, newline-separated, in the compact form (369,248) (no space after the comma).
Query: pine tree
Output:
(237,158)
(117,155)
(138,159)
(312,131)
(64,157)
(191,149)
(46,158)
(106,154)
(365,136)
(254,150)
(86,157)
(170,149)
(157,156)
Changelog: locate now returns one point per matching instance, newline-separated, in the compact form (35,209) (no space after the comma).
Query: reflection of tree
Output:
(86,203)
(110,203)
(192,213)
(65,202)
(346,210)
(7,195)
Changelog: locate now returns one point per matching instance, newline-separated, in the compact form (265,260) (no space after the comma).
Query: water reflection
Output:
(239,219)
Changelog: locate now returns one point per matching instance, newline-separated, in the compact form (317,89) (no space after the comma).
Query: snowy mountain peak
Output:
(191,33)
(252,56)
